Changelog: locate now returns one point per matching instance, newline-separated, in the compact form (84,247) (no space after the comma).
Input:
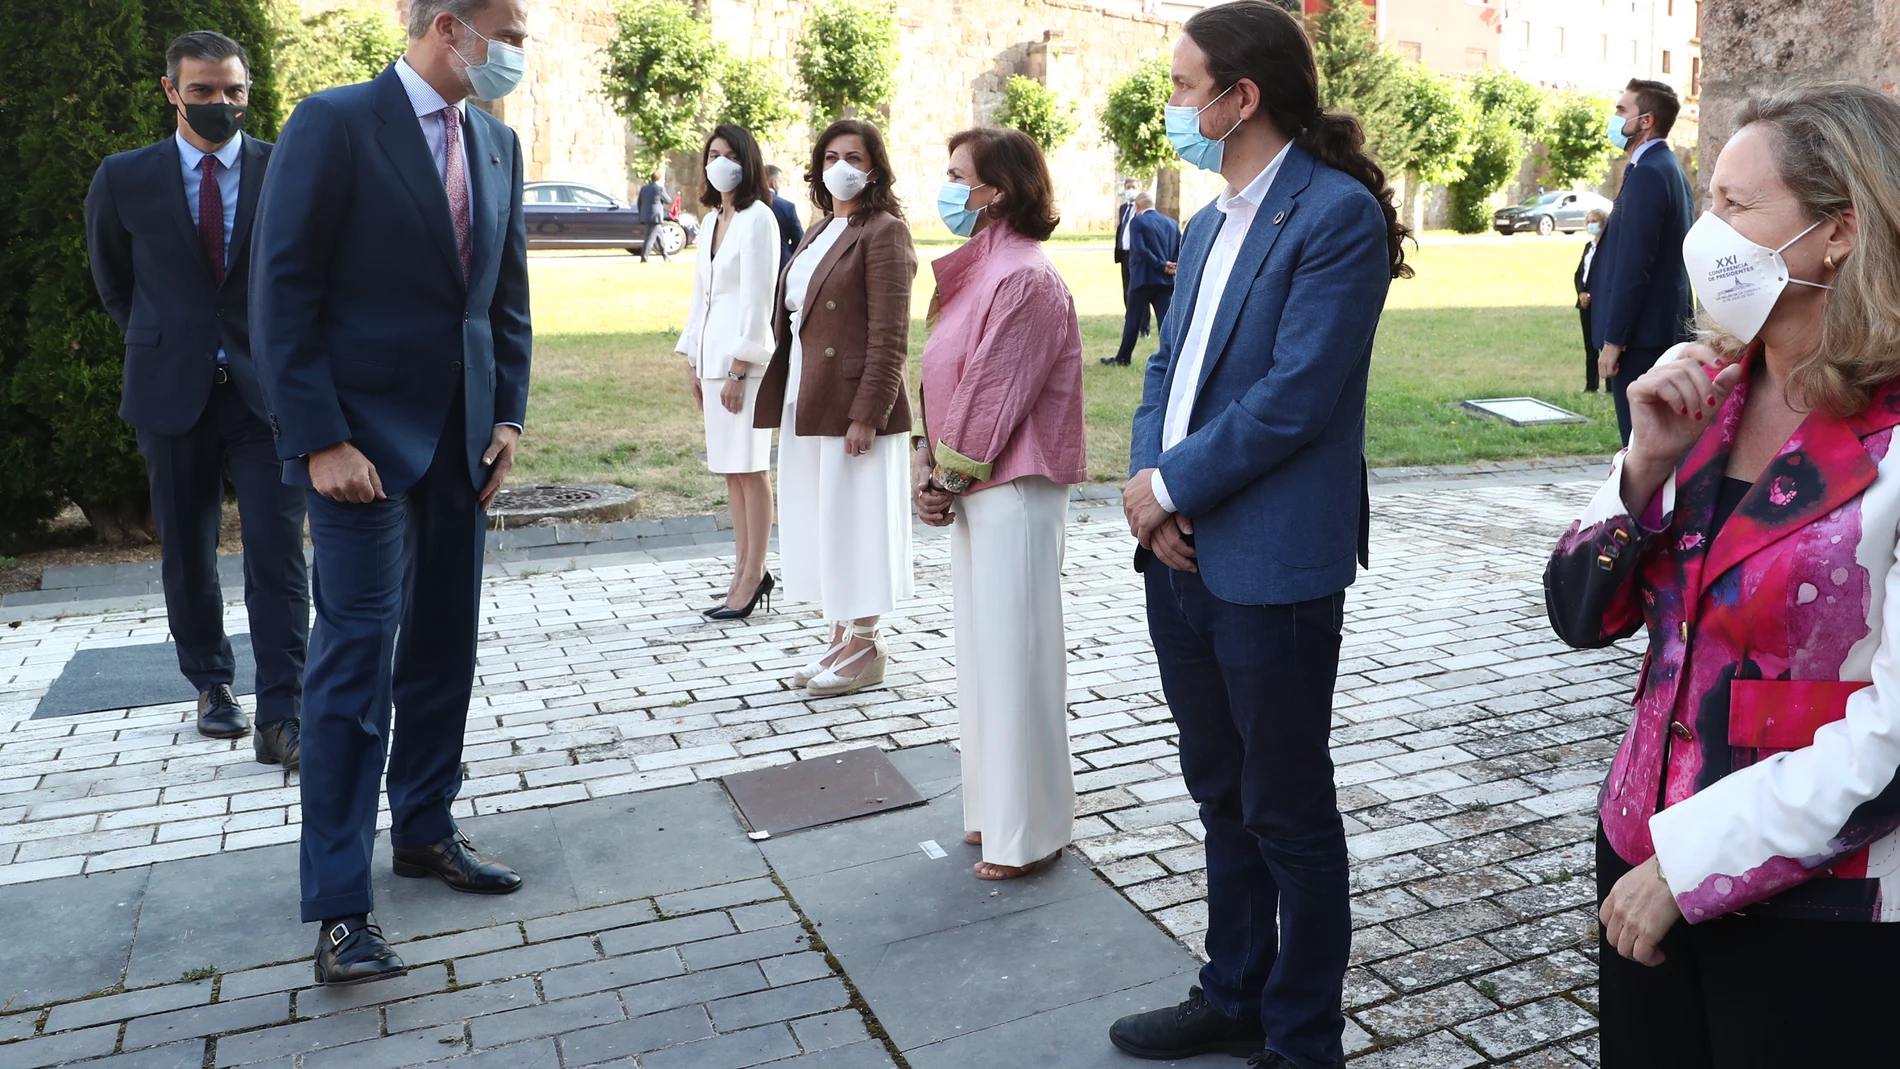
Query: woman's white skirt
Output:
(733,445)
(844,521)
(1006,551)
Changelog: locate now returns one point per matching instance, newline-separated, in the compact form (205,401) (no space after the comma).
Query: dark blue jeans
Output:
(398,589)
(1251,688)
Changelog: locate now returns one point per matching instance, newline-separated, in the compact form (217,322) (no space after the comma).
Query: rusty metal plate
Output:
(823,790)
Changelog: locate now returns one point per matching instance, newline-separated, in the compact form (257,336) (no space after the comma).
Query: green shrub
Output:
(1030,106)
(337,47)
(661,67)
(1133,121)
(847,60)
(754,96)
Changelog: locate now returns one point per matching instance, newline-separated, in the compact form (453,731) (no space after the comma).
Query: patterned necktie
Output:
(455,177)
(211,217)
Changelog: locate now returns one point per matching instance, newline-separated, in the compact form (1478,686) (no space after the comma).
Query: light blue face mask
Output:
(1617,137)
(497,77)
(953,206)
(1184,131)
(1594,229)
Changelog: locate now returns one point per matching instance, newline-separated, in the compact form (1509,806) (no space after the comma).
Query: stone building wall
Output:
(1749,46)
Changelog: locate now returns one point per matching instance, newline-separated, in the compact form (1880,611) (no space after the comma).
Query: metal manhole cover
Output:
(525,498)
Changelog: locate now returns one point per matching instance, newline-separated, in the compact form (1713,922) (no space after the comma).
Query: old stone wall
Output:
(1750,46)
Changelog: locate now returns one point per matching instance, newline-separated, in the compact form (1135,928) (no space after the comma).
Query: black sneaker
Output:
(1183,1031)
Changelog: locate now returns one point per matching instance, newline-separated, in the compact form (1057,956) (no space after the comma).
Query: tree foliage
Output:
(661,66)
(1442,119)
(752,95)
(337,47)
(1133,121)
(1362,77)
(81,82)
(847,60)
(1511,115)
(1575,149)
(1030,106)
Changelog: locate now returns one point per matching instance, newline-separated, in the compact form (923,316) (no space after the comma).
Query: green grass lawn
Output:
(1486,317)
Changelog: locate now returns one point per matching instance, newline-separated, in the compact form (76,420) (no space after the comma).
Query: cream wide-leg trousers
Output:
(1012,677)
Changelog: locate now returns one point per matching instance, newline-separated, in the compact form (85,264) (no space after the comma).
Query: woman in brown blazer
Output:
(836,388)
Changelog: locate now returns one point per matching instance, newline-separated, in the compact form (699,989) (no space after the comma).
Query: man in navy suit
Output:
(1154,245)
(1247,496)
(1125,214)
(790,230)
(168,227)
(392,341)
(652,208)
(1640,302)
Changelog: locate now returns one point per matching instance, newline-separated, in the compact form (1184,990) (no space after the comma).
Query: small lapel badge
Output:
(1278,217)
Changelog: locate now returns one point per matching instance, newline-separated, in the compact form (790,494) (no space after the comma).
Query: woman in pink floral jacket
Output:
(1748,844)
(1001,444)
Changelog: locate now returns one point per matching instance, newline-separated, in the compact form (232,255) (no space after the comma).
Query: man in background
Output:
(1125,214)
(790,232)
(652,207)
(1639,299)
(1154,242)
(168,227)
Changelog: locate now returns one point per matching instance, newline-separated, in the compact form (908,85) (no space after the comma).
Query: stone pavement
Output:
(1469,745)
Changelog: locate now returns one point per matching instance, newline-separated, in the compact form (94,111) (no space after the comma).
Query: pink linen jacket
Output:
(1002,369)
(1760,762)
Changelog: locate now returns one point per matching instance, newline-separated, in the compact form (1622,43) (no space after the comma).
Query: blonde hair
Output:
(1597,215)
(1837,146)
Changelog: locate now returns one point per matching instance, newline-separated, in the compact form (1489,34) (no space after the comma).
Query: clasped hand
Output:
(933,504)
(1163,533)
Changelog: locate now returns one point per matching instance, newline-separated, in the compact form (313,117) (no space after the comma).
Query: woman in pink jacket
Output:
(1000,446)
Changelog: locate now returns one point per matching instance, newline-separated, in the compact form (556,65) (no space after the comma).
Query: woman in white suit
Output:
(728,342)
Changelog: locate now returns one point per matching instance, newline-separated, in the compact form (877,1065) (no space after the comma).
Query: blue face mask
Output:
(953,206)
(498,76)
(1617,137)
(1594,229)
(1184,131)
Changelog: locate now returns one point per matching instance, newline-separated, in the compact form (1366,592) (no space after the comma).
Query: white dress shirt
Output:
(429,104)
(1128,228)
(1239,208)
(1642,148)
(230,167)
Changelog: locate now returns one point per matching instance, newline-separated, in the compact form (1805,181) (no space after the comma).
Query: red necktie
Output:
(211,217)
(455,178)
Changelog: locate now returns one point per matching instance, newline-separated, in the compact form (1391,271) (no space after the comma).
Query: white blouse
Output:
(797,283)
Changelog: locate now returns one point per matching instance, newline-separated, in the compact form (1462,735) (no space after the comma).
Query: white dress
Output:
(844,521)
(731,319)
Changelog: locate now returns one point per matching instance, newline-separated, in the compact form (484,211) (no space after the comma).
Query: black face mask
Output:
(216,123)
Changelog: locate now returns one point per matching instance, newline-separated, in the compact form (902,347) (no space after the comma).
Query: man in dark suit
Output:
(1585,276)
(1125,214)
(1640,298)
(790,230)
(168,227)
(1155,241)
(652,207)
(392,341)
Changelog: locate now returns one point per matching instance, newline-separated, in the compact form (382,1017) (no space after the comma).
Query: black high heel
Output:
(762,592)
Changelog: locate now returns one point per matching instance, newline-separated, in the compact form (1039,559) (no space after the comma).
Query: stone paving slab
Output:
(1468,742)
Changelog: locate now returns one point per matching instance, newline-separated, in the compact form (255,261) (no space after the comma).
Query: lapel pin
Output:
(494,159)
(1277,216)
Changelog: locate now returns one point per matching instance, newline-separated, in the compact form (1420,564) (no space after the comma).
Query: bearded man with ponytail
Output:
(1247,495)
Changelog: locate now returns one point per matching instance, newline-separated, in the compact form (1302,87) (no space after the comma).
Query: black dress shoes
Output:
(279,742)
(455,862)
(219,714)
(1183,1031)
(1110,361)
(351,950)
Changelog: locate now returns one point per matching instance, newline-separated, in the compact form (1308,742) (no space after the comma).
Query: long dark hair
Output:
(879,194)
(1261,42)
(751,188)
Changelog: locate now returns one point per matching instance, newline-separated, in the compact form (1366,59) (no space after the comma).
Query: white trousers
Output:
(844,522)
(1012,676)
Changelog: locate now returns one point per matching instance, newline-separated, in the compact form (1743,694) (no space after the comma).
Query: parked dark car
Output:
(568,215)
(1563,210)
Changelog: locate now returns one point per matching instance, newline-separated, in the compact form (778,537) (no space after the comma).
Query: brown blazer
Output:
(855,332)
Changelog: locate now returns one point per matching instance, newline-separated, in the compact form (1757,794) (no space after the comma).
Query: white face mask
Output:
(1737,281)
(844,181)
(724,174)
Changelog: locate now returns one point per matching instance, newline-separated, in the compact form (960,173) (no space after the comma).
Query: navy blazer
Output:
(653,204)
(1272,470)
(157,284)
(1156,244)
(790,230)
(1639,290)
(362,326)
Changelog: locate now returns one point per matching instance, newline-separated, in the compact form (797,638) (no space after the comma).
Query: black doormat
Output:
(822,790)
(125,677)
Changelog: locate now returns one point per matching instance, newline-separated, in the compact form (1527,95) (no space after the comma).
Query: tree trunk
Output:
(1168,192)
(1413,211)
(126,522)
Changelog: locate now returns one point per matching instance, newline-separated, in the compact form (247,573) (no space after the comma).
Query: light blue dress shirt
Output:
(230,165)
